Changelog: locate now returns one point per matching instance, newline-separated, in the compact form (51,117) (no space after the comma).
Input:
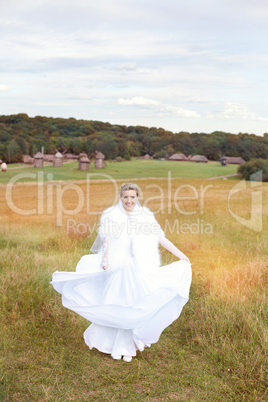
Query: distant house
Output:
(99,160)
(71,156)
(27,159)
(84,163)
(234,160)
(48,157)
(199,158)
(58,160)
(178,157)
(38,160)
(147,156)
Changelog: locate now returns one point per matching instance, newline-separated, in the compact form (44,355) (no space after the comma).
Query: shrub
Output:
(254,166)
(119,159)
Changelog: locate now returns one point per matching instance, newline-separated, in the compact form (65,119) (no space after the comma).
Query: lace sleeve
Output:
(104,261)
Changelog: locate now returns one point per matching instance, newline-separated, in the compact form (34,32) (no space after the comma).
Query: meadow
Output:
(136,168)
(215,351)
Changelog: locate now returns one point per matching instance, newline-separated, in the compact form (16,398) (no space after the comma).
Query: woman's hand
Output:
(104,267)
(186,259)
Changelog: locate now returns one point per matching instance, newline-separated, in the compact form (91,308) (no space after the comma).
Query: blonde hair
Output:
(127,187)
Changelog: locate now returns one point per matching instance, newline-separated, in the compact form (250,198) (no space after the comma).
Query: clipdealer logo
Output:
(255,220)
(50,196)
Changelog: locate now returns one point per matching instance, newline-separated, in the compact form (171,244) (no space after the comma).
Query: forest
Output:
(21,134)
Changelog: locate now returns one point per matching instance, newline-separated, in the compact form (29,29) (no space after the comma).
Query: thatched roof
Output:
(199,158)
(99,155)
(58,155)
(147,156)
(236,160)
(84,159)
(39,155)
(27,159)
(177,157)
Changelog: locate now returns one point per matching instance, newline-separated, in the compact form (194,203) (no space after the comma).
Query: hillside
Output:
(20,134)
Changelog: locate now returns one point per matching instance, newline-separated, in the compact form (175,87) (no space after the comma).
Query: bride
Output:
(125,293)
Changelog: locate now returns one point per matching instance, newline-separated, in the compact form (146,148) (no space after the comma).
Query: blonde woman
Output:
(123,290)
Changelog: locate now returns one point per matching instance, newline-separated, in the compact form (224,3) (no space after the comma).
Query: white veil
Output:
(97,244)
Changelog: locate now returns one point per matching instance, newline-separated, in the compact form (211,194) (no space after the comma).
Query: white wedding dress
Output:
(135,299)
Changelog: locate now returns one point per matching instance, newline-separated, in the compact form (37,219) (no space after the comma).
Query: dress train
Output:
(128,308)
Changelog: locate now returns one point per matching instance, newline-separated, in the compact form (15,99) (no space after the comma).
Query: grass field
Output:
(136,168)
(215,351)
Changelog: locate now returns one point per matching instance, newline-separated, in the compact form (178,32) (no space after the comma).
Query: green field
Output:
(216,351)
(136,168)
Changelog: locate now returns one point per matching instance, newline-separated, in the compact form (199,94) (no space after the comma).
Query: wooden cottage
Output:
(147,156)
(178,157)
(82,154)
(38,160)
(27,159)
(199,158)
(70,156)
(235,160)
(84,163)
(58,160)
(99,160)
(48,157)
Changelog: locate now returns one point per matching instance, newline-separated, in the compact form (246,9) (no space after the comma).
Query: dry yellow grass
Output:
(223,330)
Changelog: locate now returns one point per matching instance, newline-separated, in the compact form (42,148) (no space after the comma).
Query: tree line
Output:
(21,134)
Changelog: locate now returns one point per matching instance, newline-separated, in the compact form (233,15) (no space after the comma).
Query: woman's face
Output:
(129,200)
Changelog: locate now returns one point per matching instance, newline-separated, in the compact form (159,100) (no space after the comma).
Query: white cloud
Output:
(160,109)
(179,111)
(126,67)
(138,101)
(4,88)
(80,97)
(236,111)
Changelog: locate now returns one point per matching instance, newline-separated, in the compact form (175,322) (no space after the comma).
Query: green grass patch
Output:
(136,168)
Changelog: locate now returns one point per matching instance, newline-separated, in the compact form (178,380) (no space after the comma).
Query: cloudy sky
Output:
(195,65)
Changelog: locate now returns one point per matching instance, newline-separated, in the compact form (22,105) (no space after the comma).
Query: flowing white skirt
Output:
(128,308)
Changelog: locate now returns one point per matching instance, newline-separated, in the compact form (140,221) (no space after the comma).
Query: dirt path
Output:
(221,177)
